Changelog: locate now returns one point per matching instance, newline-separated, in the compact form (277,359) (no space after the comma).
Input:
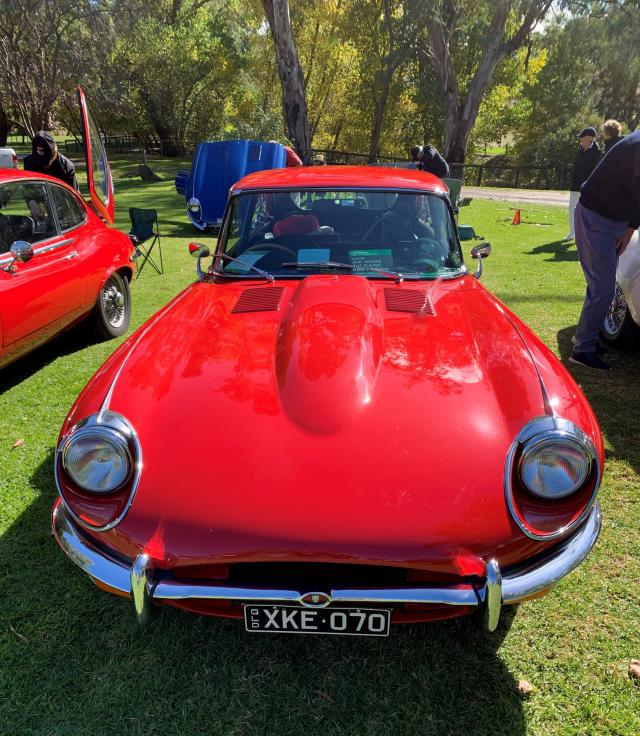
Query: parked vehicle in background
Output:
(621,327)
(8,158)
(216,166)
(377,438)
(59,262)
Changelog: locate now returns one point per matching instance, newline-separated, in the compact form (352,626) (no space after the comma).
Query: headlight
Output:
(97,458)
(554,468)
(193,205)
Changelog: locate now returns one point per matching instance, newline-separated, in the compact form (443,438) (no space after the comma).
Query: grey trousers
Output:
(596,239)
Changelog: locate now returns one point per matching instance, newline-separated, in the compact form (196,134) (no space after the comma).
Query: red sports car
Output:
(59,262)
(334,429)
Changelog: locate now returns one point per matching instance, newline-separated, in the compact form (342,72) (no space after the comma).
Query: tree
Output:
(291,77)
(467,40)
(40,53)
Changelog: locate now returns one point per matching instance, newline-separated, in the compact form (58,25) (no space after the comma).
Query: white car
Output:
(8,158)
(621,327)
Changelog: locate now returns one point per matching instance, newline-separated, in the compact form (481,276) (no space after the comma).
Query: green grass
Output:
(73,661)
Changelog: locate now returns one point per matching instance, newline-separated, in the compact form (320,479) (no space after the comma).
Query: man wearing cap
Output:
(45,159)
(606,217)
(586,160)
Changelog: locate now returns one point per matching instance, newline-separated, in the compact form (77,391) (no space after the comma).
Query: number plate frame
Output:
(275,619)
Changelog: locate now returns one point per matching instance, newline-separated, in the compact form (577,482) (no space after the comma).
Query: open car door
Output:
(98,171)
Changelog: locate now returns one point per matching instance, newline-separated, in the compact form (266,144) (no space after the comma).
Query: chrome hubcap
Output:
(616,314)
(113,302)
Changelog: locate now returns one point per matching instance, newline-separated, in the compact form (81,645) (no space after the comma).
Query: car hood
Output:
(331,422)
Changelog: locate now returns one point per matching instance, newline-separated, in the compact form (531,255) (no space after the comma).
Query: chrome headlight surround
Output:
(116,430)
(193,205)
(539,432)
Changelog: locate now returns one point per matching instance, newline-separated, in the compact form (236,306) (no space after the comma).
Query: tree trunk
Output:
(291,77)
(4,127)
(376,132)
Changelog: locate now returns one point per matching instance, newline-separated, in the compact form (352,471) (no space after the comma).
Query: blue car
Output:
(216,166)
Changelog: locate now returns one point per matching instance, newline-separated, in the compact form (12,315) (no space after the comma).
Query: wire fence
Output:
(555,175)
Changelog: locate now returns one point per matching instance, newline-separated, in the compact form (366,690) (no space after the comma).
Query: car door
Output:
(38,298)
(99,177)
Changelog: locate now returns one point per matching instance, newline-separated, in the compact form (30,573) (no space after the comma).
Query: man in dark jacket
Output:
(587,158)
(46,159)
(606,217)
(429,159)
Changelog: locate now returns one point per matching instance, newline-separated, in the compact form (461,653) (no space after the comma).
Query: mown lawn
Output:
(73,661)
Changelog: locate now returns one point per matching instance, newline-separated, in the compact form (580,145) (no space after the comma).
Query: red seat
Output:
(296,225)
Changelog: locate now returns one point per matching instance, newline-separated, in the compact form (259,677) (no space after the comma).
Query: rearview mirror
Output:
(481,251)
(199,251)
(20,251)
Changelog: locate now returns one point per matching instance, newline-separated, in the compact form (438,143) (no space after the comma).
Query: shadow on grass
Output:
(79,663)
(614,396)
(559,250)
(73,340)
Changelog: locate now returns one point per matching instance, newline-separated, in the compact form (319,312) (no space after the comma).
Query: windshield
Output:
(295,232)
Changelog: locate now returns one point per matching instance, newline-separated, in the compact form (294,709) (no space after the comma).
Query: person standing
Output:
(611,134)
(587,158)
(606,217)
(428,158)
(46,159)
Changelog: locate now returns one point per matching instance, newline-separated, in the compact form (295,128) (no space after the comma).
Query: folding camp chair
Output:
(144,228)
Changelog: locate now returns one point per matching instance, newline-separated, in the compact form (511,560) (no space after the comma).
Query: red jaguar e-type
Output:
(59,262)
(335,428)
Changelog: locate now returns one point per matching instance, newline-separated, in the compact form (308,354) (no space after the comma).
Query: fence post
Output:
(479,181)
(517,178)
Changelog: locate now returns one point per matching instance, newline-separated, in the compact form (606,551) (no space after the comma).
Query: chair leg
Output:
(148,257)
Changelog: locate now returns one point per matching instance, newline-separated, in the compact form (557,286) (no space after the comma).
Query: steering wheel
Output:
(271,244)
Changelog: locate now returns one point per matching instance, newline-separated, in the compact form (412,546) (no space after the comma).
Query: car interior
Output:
(367,230)
(24,215)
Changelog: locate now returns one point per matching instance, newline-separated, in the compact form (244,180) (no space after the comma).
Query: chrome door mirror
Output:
(20,251)
(199,251)
(480,251)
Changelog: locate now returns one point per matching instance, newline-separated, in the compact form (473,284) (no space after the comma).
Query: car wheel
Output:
(619,330)
(112,310)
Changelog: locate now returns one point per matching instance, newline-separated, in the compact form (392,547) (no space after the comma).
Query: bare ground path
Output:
(534,196)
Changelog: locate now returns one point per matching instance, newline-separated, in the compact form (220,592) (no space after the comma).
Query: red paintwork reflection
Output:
(330,430)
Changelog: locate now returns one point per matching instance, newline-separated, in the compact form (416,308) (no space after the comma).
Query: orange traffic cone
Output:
(516,218)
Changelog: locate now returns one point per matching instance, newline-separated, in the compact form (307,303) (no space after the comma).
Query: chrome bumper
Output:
(138,580)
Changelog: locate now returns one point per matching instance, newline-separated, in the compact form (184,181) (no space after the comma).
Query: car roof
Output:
(341,177)
(18,174)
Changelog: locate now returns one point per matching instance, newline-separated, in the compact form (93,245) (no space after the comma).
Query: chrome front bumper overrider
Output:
(138,579)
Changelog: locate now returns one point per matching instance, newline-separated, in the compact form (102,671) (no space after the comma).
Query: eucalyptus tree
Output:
(465,41)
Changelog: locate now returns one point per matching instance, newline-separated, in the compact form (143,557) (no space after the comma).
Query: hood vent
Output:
(408,300)
(260,299)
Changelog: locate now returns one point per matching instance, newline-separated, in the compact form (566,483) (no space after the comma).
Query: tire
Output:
(619,330)
(112,311)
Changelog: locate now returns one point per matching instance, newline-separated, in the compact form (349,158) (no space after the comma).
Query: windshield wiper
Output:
(248,266)
(399,277)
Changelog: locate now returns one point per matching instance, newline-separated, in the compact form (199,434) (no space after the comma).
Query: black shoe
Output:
(601,350)
(588,360)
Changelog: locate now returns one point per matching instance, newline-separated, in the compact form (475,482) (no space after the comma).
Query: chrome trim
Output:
(518,582)
(544,428)
(493,601)
(141,592)
(122,426)
(552,565)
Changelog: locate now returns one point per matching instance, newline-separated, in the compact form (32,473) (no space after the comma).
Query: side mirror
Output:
(480,251)
(199,251)
(20,251)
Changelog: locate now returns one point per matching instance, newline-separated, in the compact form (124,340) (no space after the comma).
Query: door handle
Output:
(69,256)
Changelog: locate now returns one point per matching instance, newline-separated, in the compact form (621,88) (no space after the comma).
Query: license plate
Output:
(297,620)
